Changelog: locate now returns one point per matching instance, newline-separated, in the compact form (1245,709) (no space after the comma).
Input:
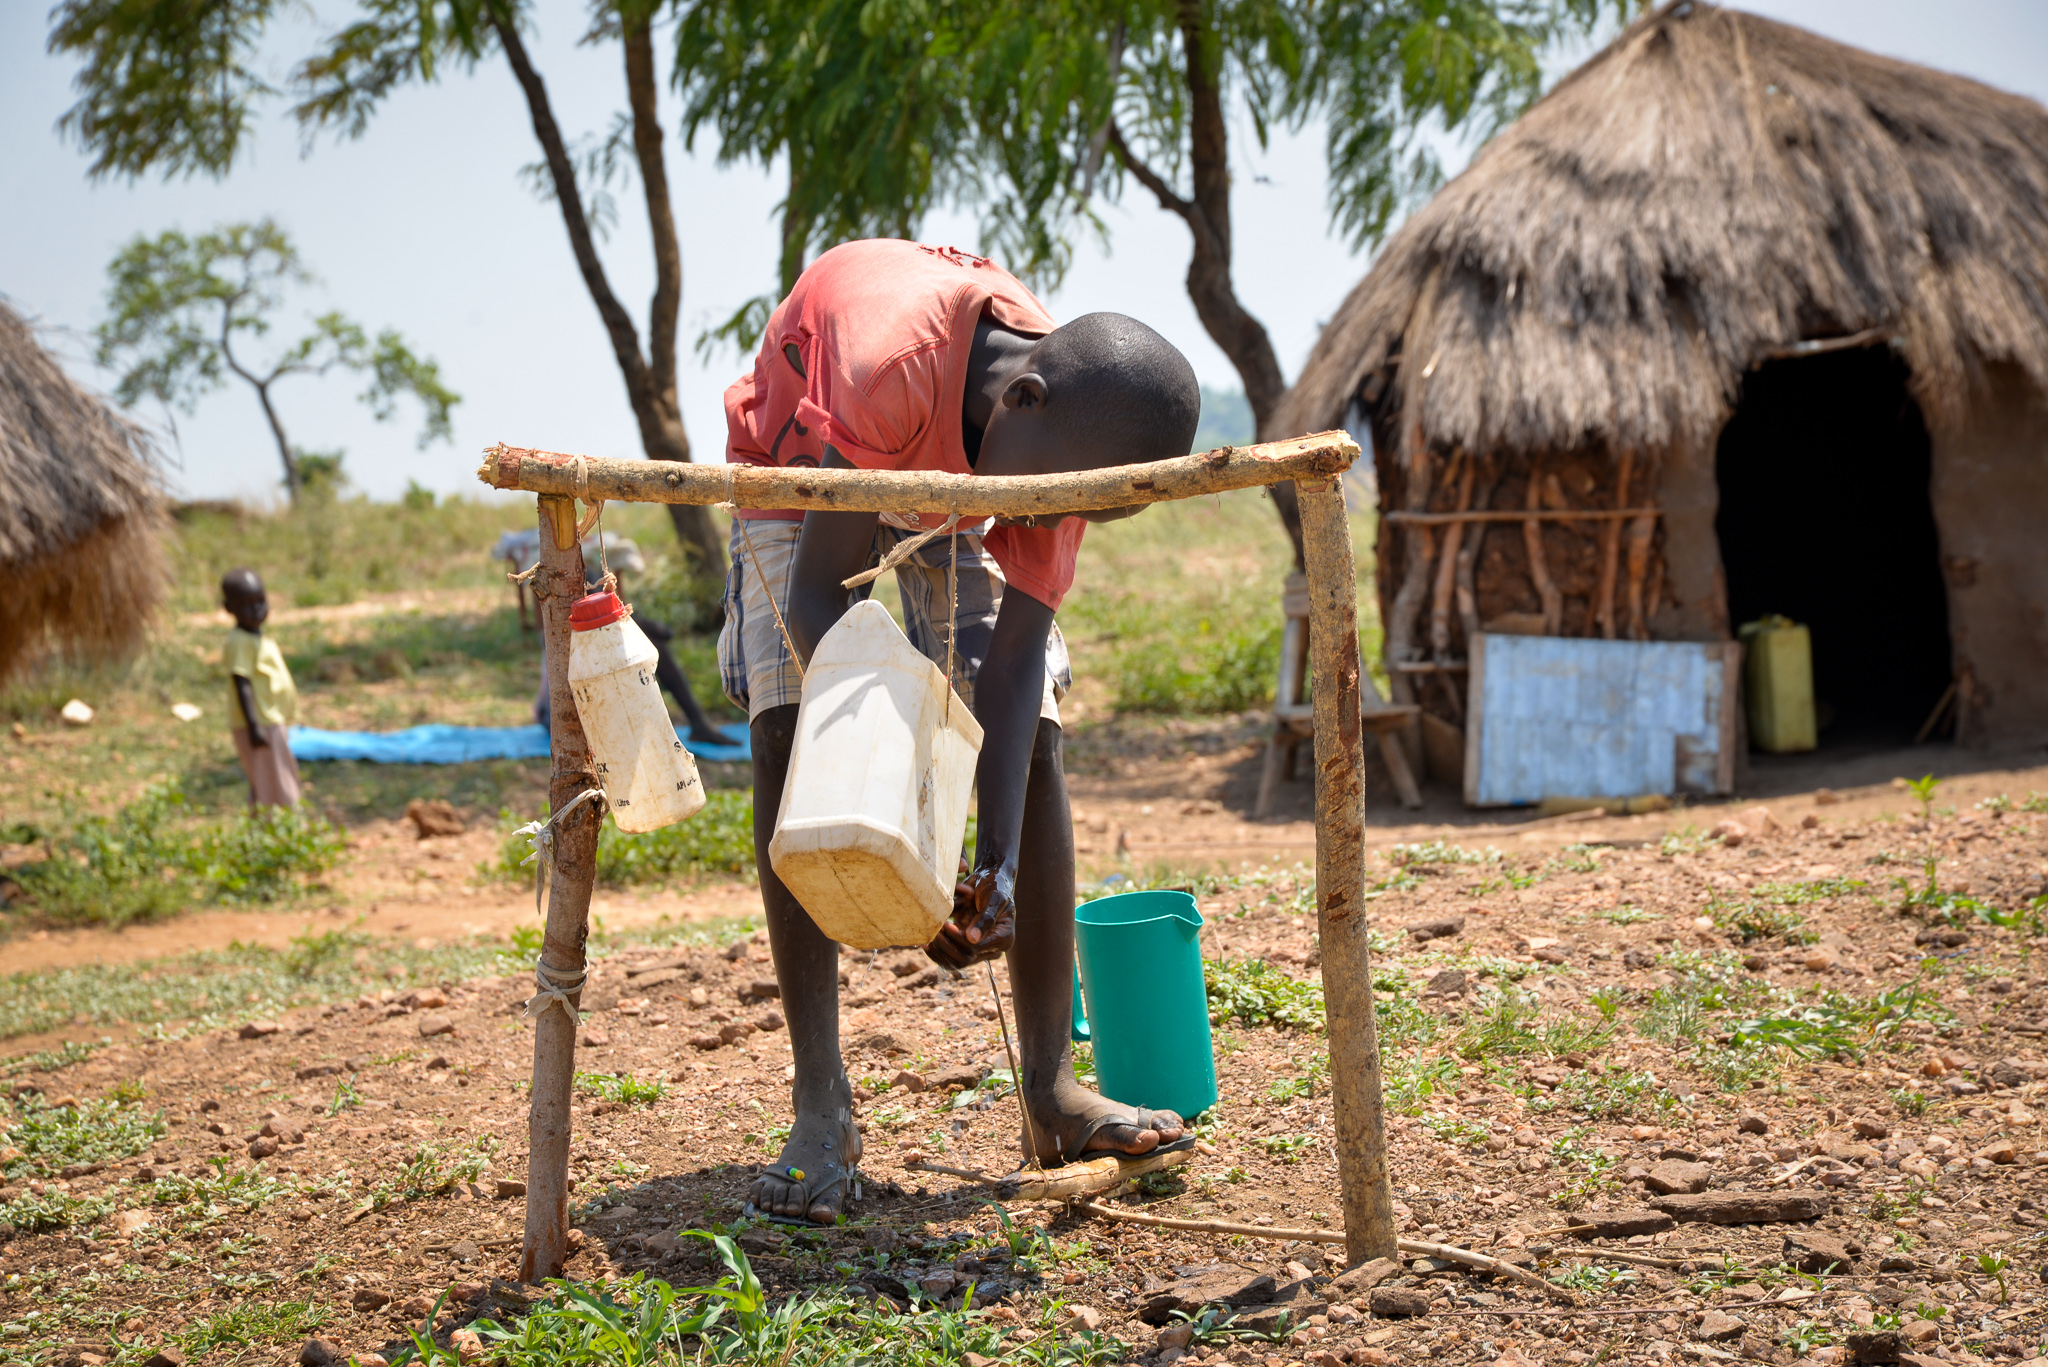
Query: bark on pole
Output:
(1362,1176)
(1323,455)
(573,869)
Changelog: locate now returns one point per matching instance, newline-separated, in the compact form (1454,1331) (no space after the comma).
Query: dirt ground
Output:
(1536,1077)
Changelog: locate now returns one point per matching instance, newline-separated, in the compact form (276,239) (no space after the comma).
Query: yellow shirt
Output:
(257,659)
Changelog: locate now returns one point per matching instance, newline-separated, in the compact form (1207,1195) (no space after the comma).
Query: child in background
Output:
(266,699)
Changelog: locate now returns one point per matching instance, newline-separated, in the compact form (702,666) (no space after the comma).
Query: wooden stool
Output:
(1294,718)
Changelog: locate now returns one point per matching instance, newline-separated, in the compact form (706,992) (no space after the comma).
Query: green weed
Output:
(1288,1148)
(225,1191)
(1749,922)
(717,840)
(1922,789)
(1626,915)
(1255,993)
(433,1171)
(624,1089)
(29,1213)
(1439,854)
(149,860)
(1514,1023)
(1411,1082)
(1608,1096)
(1908,1101)
(255,1324)
(49,1138)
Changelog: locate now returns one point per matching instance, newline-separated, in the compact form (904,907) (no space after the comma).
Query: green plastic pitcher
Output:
(1140,956)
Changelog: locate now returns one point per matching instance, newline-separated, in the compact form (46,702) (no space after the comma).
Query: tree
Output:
(884,107)
(179,307)
(171,88)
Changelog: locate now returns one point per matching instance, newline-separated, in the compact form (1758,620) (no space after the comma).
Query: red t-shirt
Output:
(869,352)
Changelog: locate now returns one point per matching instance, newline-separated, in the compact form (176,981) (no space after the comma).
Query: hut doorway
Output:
(1826,517)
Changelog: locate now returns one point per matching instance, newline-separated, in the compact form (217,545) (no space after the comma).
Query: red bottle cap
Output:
(596,610)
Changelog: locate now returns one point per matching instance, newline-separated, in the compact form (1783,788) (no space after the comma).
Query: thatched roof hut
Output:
(81,512)
(1781,303)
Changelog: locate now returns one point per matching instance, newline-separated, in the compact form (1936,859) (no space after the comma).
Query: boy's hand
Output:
(984,923)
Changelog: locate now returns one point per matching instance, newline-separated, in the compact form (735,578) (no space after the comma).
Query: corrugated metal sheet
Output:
(1565,717)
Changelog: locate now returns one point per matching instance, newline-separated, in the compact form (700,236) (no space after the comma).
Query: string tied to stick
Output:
(541,836)
(557,987)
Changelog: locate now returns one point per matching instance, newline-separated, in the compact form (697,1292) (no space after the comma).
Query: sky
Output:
(423,225)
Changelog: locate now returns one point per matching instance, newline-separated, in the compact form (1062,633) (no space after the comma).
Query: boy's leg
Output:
(755,667)
(822,1139)
(1041,980)
(1042,959)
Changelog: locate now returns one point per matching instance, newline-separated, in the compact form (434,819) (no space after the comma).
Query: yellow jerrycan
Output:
(874,805)
(649,779)
(1777,680)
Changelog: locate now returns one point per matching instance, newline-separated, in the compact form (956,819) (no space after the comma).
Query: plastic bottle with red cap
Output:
(649,779)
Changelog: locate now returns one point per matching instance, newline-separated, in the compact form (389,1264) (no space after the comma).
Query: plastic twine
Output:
(541,835)
(555,990)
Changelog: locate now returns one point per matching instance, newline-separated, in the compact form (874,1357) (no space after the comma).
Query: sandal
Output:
(815,1184)
(1076,1150)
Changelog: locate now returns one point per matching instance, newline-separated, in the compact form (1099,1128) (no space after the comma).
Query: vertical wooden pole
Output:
(1362,1175)
(574,868)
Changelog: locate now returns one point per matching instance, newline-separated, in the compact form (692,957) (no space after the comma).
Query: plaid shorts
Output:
(754,662)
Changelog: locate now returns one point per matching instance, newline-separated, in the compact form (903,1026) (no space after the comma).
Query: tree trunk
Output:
(694,527)
(661,426)
(1241,336)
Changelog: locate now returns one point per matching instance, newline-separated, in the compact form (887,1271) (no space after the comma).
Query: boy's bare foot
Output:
(809,1179)
(1076,1123)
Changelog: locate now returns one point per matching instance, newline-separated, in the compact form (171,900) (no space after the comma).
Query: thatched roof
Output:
(81,511)
(1710,187)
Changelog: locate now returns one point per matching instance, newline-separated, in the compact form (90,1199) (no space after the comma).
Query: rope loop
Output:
(556,989)
(541,835)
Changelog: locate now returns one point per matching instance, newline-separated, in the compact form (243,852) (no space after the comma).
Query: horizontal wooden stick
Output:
(1523,515)
(917,491)
(1483,1262)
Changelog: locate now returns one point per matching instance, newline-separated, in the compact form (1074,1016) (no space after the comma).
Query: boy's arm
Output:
(245,694)
(1008,692)
(832,548)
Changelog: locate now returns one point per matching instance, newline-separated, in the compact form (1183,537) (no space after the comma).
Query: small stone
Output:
(413,1308)
(370,1360)
(939,1284)
(166,1357)
(1752,1123)
(1895,1263)
(368,1298)
(262,1146)
(1876,1346)
(314,1070)
(1344,1314)
(735,1032)
(881,1239)
(1084,1317)
(705,1042)
(1869,1127)
(1448,982)
(768,1022)
(208,1105)
(907,1080)
(259,1029)
(129,1223)
(1441,929)
(1398,1301)
(319,1353)
(425,998)
(1811,1251)
(2002,1151)
(1746,1207)
(1717,1326)
(430,1026)
(1174,1336)
(1371,1357)
(1921,1331)
(1618,1224)
(1673,1177)
(283,1131)
(763,987)
(1730,832)
(504,1189)
(594,1038)
(1360,1280)
(432,817)
(468,1345)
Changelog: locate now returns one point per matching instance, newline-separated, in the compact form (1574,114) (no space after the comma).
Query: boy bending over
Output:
(890,355)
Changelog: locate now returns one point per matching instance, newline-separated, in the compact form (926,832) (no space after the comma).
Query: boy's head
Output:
(241,592)
(1103,390)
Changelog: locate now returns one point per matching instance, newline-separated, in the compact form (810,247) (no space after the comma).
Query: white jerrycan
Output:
(649,779)
(875,802)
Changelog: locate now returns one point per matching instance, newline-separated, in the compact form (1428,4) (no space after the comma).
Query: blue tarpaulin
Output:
(464,744)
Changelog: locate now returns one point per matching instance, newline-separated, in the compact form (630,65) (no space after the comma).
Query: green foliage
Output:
(1288,1148)
(718,839)
(143,863)
(1608,1096)
(254,1324)
(1752,921)
(1437,854)
(434,1170)
(1207,665)
(50,1138)
(1515,1023)
(625,1089)
(1410,1082)
(1908,1101)
(223,1192)
(1585,1168)
(29,1213)
(1922,789)
(180,305)
(1253,992)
